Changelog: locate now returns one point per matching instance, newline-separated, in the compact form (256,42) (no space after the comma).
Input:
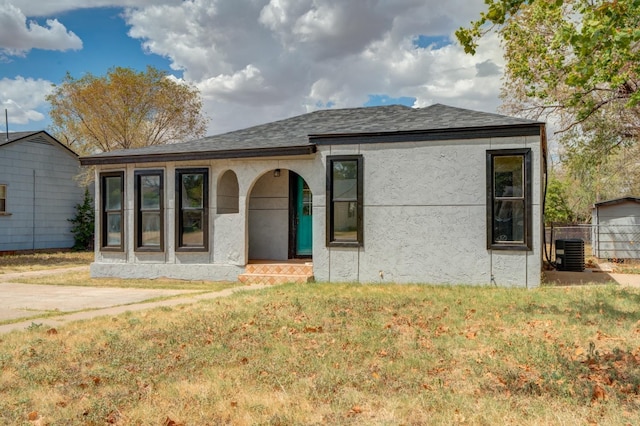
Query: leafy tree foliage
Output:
(125,109)
(83,223)
(571,57)
(557,208)
(576,63)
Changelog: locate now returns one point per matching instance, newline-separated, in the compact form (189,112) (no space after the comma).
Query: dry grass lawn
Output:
(24,262)
(339,354)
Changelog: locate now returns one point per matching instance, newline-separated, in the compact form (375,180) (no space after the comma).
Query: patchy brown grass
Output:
(83,279)
(339,354)
(24,262)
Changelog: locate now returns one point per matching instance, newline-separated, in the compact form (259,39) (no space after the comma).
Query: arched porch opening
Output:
(280,217)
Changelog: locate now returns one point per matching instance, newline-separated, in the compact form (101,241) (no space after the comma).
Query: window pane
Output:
(508,176)
(345,180)
(192,229)
(307,200)
(3,205)
(508,223)
(150,192)
(345,221)
(114,234)
(150,229)
(192,190)
(3,192)
(114,193)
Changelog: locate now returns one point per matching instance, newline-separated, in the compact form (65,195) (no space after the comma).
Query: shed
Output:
(38,192)
(616,229)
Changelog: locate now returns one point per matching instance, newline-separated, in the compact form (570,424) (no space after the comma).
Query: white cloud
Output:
(277,58)
(261,60)
(24,99)
(17,36)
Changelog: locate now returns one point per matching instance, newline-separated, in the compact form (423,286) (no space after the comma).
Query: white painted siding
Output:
(41,195)
(616,231)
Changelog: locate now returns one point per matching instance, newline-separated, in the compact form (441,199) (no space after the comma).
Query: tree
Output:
(83,223)
(573,58)
(125,109)
(576,63)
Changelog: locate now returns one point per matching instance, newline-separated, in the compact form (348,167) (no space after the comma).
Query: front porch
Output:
(298,271)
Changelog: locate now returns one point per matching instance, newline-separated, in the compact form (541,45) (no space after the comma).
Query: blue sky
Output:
(105,44)
(253,62)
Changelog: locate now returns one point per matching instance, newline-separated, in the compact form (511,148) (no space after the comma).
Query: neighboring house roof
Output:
(299,135)
(33,136)
(617,201)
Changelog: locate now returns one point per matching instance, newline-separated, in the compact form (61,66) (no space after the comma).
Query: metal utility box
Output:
(570,255)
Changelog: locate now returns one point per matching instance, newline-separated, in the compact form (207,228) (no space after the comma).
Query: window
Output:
(3,199)
(112,195)
(149,210)
(509,199)
(191,222)
(344,201)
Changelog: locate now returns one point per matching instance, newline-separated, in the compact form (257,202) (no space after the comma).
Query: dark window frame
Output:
(330,234)
(104,212)
(527,185)
(180,247)
(138,175)
(3,206)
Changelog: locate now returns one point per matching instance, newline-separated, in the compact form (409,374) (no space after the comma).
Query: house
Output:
(615,231)
(38,192)
(378,194)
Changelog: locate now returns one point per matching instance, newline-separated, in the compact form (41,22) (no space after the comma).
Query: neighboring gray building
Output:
(616,229)
(392,194)
(38,192)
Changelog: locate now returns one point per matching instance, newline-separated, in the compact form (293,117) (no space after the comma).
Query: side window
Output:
(192,196)
(3,199)
(149,207)
(509,199)
(345,201)
(112,209)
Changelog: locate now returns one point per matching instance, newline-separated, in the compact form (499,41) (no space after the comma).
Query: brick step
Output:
(248,278)
(280,268)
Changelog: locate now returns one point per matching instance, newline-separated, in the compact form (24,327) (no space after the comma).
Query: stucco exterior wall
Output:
(424,218)
(41,195)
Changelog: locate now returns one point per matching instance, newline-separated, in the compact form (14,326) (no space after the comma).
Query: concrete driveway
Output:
(72,303)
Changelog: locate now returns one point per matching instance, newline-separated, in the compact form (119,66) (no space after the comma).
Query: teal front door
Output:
(303,218)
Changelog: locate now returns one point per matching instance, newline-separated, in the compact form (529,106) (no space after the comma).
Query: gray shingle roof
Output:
(13,136)
(294,132)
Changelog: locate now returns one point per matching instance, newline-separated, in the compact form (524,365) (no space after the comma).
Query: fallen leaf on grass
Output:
(356,409)
(52,331)
(598,393)
(32,416)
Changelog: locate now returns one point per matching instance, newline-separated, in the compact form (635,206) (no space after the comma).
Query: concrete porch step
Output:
(274,272)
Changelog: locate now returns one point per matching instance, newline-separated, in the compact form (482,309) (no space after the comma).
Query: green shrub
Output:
(83,223)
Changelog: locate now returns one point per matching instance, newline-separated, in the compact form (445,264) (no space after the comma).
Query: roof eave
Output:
(198,155)
(524,129)
(617,201)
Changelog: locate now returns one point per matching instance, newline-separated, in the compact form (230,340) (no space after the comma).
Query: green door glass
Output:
(304,207)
